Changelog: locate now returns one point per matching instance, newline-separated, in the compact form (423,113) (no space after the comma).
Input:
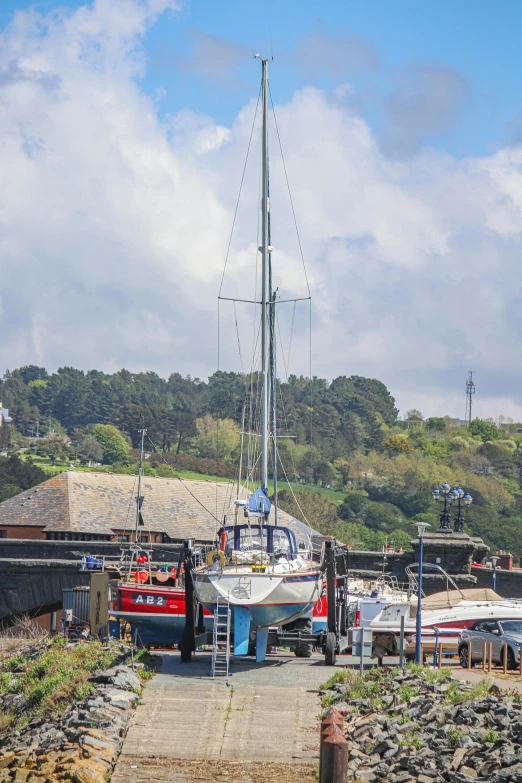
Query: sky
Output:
(124,128)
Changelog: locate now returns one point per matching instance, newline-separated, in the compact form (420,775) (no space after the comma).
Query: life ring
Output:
(216,553)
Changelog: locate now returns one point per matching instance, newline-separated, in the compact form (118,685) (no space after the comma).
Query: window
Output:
(123,539)
(3,533)
(144,539)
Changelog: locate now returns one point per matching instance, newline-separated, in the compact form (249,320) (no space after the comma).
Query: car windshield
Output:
(512,626)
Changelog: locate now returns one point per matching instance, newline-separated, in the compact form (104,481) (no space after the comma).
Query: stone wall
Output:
(74,550)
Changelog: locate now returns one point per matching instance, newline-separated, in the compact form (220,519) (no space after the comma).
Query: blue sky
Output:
(477,39)
(124,126)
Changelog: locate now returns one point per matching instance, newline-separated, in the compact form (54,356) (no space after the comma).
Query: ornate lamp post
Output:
(457,496)
(421,528)
(445,518)
(451,496)
(495,560)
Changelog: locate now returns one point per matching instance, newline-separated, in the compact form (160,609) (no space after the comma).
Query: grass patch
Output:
(455,696)
(491,736)
(411,740)
(50,679)
(340,676)
(454,736)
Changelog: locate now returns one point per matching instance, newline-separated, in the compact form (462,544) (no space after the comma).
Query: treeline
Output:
(339,418)
(376,471)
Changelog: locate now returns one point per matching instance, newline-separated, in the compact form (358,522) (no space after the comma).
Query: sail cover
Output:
(258,504)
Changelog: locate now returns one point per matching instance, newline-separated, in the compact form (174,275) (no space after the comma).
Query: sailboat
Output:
(256,566)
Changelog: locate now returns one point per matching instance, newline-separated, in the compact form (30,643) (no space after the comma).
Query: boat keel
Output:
(261,643)
(241,630)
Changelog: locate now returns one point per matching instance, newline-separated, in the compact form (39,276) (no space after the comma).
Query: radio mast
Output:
(470,391)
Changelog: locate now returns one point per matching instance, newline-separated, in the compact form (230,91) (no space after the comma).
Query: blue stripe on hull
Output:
(265,615)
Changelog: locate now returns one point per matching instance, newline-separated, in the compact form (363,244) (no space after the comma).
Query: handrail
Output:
(413,580)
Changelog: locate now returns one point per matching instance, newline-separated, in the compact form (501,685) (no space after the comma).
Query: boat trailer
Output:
(331,640)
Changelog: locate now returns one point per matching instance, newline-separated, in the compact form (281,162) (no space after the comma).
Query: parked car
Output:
(498,633)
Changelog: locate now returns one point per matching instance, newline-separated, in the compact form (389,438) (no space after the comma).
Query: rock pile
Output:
(405,727)
(82,743)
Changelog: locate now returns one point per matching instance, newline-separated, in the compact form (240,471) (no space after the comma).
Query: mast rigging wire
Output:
(289,191)
(181,479)
(239,194)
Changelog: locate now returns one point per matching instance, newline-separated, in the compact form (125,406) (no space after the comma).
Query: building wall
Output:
(21,531)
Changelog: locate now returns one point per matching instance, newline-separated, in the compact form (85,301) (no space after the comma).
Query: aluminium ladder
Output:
(221,639)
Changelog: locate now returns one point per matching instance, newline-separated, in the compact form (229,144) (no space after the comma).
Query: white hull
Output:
(449,621)
(270,598)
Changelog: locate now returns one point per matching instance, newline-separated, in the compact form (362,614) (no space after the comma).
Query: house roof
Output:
(102,503)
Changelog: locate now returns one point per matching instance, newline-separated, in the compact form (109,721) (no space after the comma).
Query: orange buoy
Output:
(141,576)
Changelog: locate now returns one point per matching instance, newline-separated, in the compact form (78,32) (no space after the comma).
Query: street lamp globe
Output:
(468,500)
(421,528)
(436,494)
(445,488)
(495,560)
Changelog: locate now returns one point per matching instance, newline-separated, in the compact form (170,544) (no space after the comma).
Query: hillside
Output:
(362,473)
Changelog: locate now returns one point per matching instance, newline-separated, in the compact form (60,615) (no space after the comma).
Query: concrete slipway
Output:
(262,729)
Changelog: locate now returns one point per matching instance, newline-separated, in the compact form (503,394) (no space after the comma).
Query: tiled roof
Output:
(81,502)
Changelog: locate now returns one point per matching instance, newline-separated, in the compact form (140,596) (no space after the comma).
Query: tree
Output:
(485,430)
(217,438)
(9,491)
(115,447)
(396,444)
(90,449)
(436,423)
(310,507)
(23,474)
(52,447)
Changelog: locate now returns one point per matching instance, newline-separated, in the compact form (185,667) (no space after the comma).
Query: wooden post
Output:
(331,718)
(490,656)
(422,655)
(334,760)
(484,657)
(520,663)
(439,659)
(504,658)
(470,660)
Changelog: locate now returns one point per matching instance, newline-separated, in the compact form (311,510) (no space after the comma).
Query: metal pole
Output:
(273,424)
(265,288)
(138,500)
(419,607)
(401,645)
(495,578)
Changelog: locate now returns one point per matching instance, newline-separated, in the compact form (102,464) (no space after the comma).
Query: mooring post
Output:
(470,658)
(484,657)
(505,657)
(335,758)
(440,654)
(332,719)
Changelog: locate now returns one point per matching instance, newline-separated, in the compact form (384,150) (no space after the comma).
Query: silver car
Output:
(498,633)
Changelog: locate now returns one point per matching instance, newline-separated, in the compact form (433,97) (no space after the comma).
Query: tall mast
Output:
(139,499)
(265,290)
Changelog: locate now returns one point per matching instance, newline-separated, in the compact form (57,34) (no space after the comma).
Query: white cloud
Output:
(114,226)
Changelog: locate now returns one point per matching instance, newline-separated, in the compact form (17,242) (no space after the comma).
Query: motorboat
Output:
(444,615)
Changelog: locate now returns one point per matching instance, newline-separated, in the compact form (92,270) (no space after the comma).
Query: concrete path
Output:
(510,682)
(191,728)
